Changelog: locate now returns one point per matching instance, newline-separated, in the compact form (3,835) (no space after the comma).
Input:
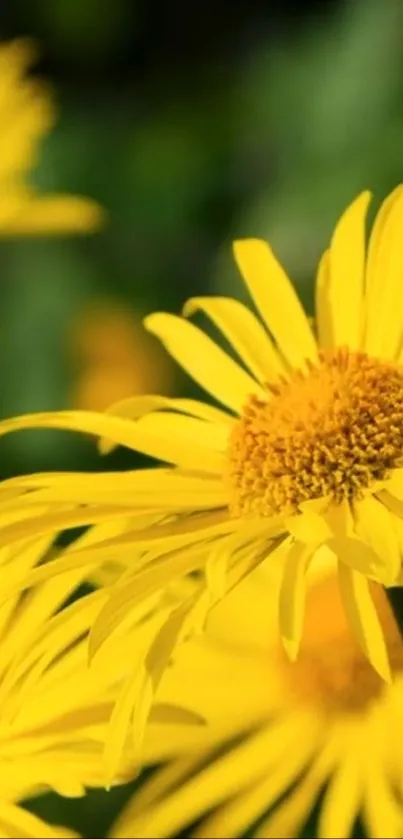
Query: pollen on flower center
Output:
(330,431)
(331,670)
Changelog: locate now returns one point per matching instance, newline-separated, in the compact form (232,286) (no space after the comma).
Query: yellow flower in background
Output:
(306,452)
(278,734)
(115,357)
(26,116)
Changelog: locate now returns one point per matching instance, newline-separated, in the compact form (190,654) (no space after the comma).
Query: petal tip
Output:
(291,648)
(190,307)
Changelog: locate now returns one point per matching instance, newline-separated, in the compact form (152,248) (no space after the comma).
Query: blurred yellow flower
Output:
(114,357)
(308,451)
(277,734)
(26,115)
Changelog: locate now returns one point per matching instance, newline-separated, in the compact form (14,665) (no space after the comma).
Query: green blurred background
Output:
(191,124)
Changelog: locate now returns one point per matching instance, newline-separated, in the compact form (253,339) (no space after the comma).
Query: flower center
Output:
(328,432)
(331,670)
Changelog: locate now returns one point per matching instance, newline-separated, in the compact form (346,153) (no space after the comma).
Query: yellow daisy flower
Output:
(278,734)
(54,711)
(26,115)
(306,452)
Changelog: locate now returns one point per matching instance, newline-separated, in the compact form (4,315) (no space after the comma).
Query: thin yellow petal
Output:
(163,712)
(342,799)
(359,556)
(292,596)
(391,502)
(346,265)
(137,696)
(54,522)
(308,527)
(243,331)
(136,406)
(129,594)
(324,313)
(339,517)
(15,821)
(384,320)
(382,808)
(203,360)
(135,435)
(157,492)
(374,524)
(363,617)
(158,786)
(58,214)
(120,721)
(276,300)
(286,819)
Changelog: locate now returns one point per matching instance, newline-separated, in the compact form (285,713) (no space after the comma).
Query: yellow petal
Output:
(54,522)
(360,556)
(160,784)
(58,214)
(292,596)
(384,320)
(203,360)
(120,720)
(160,443)
(375,526)
(363,617)
(15,821)
(237,814)
(137,406)
(288,816)
(216,573)
(276,300)
(222,778)
(391,502)
(346,266)
(308,527)
(324,313)
(382,807)
(137,696)
(342,799)
(339,518)
(394,484)
(128,595)
(243,331)
(148,492)
(166,714)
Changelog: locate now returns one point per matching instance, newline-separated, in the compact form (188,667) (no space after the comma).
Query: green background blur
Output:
(192,125)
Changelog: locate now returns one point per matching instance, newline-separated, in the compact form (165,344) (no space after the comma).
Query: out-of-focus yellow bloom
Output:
(277,733)
(26,115)
(115,358)
(307,452)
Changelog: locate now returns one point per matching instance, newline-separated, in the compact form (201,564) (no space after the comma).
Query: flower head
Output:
(26,115)
(277,734)
(306,453)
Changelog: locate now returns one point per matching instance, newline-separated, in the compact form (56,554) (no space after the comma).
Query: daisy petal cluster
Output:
(303,453)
